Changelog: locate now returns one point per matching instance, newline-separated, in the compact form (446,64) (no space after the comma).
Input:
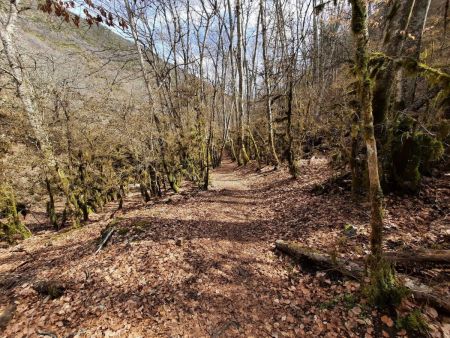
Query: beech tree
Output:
(380,277)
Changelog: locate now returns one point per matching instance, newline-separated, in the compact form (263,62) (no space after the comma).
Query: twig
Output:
(50,334)
(21,264)
(10,74)
(108,235)
(224,327)
(35,218)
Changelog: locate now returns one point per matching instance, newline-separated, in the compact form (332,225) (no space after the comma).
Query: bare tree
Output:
(240,92)
(267,84)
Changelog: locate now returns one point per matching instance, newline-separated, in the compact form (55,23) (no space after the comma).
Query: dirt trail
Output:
(225,177)
(201,264)
(193,267)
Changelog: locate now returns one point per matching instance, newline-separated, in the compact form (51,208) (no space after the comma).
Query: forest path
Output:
(194,264)
(201,263)
(198,264)
(225,177)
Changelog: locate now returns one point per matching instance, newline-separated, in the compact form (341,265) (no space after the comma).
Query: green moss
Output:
(123,231)
(358,16)
(413,153)
(443,130)
(51,213)
(414,323)
(348,300)
(329,304)
(349,230)
(243,156)
(434,76)
(173,183)
(430,149)
(384,290)
(9,231)
(11,227)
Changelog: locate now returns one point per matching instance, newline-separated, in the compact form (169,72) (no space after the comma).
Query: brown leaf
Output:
(387,320)
(431,312)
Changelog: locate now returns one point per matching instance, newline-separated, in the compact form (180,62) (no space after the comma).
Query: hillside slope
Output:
(94,53)
(89,73)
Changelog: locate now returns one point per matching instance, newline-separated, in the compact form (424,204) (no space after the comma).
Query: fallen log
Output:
(407,258)
(356,271)
(299,252)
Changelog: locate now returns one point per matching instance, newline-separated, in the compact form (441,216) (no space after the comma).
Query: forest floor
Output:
(202,263)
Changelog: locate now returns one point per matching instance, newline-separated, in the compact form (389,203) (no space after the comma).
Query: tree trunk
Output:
(356,162)
(398,20)
(255,146)
(240,108)
(154,182)
(293,168)
(299,252)
(413,41)
(51,212)
(361,38)
(315,54)
(268,98)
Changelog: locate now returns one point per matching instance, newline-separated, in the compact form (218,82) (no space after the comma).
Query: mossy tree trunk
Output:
(233,151)
(121,196)
(143,187)
(13,226)
(51,212)
(208,160)
(360,31)
(394,88)
(356,162)
(83,194)
(412,46)
(154,181)
(397,21)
